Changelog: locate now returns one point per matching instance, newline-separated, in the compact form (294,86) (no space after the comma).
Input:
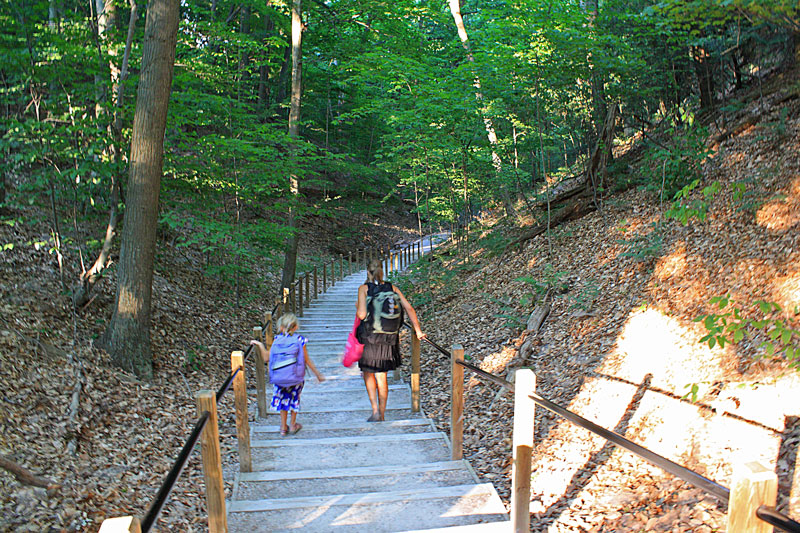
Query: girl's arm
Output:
(262,350)
(412,315)
(310,364)
(361,303)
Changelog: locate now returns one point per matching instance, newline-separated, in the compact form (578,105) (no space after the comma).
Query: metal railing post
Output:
(524,406)
(261,371)
(753,485)
(456,403)
(212,463)
(242,418)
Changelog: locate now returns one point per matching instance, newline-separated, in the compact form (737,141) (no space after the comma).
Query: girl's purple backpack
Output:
(287,366)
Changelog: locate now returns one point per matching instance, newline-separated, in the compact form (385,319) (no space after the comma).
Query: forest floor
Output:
(621,347)
(104,439)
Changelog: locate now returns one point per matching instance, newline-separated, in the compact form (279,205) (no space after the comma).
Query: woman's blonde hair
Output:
(375,271)
(288,323)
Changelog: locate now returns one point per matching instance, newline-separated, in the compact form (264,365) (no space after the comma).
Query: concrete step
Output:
(272,485)
(345,416)
(286,453)
(317,400)
(353,429)
(372,512)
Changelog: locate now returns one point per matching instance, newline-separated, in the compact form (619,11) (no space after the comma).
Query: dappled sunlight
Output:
(787,289)
(783,212)
(673,265)
(652,342)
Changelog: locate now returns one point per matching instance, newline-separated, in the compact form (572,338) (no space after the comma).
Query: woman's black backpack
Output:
(384,311)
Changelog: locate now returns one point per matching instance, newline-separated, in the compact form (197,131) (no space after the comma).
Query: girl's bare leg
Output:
(294,420)
(284,426)
(372,392)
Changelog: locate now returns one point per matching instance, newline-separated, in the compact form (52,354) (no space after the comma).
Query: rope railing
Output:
(747,502)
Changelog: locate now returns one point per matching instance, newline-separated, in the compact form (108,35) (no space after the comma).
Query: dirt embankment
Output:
(620,345)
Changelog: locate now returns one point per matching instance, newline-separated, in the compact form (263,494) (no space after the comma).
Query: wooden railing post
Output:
(307,277)
(324,277)
(524,386)
(242,416)
(349,263)
(415,353)
(753,485)
(261,371)
(121,524)
(456,403)
(316,283)
(341,266)
(293,296)
(300,303)
(212,463)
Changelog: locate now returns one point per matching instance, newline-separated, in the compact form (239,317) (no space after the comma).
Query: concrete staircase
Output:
(342,473)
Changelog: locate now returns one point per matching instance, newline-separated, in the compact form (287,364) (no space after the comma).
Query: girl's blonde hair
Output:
(288,323)
(375,271)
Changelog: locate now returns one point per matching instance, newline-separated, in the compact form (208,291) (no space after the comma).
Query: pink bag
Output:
(353,348)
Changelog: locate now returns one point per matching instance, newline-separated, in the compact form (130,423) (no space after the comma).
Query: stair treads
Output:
(261,428)
(348,409)
(283,442)
(367,498)
(379,470)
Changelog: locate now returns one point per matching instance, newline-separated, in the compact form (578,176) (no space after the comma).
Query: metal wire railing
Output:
(768,514)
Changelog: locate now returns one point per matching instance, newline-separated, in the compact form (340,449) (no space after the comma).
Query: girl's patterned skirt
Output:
(286,399)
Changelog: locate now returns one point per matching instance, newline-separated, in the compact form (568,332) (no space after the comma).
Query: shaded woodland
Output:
(586,155)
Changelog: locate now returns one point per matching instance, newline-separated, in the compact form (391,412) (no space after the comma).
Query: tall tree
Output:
(127,338)
(290,259)
(455,9)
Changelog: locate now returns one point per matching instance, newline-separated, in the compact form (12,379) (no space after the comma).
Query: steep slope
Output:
(620,345)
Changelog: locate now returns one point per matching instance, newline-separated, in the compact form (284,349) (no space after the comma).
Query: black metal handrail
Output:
(174,473)
(172,476)
(765,513)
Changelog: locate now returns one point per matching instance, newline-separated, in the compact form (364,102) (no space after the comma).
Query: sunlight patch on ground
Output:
(782,213)
(730,424)
(672,265)
(651,342)
(787,290)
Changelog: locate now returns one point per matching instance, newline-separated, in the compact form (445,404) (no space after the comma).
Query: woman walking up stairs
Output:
(342,473)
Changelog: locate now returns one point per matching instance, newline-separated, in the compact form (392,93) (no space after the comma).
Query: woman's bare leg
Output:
(372,391)
(383,393)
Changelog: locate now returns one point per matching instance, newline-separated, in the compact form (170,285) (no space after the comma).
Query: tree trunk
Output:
(290,259)
(283,75)
(127,338)
(705,79)
(244,58)
(90,277)
(455,9)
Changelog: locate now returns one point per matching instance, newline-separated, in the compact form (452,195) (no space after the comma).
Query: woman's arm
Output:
(412,314)
(310,364)
(361,303)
